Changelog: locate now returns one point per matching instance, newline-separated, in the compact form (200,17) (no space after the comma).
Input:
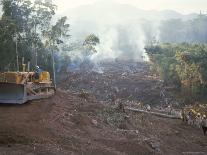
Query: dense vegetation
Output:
(180,55)
(181,65)
(37,32)
(32,26)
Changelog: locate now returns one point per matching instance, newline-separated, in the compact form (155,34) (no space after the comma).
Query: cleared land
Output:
(82,118)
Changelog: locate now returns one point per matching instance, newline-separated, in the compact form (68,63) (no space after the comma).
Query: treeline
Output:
(178,30)
(30,24)
(182,65)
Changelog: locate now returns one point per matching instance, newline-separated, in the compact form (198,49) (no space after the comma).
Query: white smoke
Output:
(120,41)
(123,30)
(108,45)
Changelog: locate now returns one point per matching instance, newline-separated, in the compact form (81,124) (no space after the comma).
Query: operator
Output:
(38,71)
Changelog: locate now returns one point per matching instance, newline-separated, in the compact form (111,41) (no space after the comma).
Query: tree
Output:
(91,39)
(29,21)
(89,43)
(56,33)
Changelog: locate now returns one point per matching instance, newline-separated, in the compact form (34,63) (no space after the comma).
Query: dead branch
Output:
(153,113)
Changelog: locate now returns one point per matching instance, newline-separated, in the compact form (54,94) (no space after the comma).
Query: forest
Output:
(179,31)
(29,29)
(180,57)
(33,30)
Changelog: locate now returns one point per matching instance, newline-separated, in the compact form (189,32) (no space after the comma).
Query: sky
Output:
(182,6)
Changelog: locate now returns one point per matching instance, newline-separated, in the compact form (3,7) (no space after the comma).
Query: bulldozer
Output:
(20,87)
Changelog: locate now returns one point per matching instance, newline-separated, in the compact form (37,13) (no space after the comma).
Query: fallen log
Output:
(153,113)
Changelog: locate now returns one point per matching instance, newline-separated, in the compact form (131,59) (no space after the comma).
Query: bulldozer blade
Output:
(12,93)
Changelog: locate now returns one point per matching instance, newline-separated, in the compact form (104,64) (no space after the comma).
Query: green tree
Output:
(29,21)
(89,44)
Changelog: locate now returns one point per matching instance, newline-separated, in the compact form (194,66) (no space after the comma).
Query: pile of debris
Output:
(195,114)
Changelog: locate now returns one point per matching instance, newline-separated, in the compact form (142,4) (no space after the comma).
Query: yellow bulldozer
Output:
(20,87)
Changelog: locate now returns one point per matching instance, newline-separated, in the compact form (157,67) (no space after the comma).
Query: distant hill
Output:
(112,13)
(111,10)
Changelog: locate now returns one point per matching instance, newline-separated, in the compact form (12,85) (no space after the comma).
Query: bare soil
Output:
(76,122)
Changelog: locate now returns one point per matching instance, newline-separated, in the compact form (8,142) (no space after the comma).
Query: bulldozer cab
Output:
(42,77)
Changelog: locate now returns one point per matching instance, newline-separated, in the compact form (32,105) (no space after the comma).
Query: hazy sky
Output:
(183,6)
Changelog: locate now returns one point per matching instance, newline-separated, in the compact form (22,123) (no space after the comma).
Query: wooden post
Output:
(17,55)
(53,66)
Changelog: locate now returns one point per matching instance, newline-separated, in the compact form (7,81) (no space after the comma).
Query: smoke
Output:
(120,41)
(123,31)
